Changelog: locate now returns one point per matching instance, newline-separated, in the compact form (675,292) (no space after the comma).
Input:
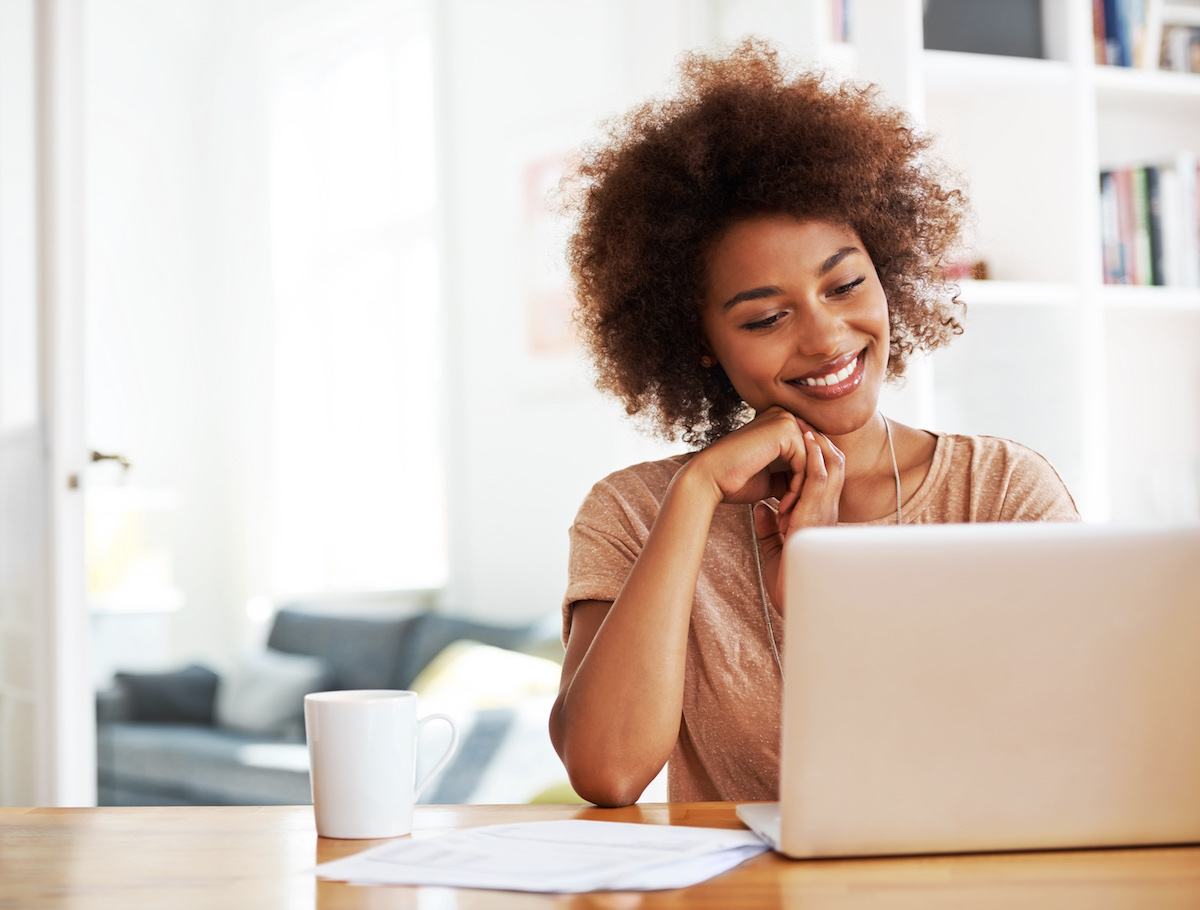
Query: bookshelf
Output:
(1103,379)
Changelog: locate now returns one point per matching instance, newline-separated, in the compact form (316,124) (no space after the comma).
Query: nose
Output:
(818,330)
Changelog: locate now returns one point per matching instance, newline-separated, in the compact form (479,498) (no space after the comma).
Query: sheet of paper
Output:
(558,856)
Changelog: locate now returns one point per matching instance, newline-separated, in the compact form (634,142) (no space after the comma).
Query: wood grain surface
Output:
(262,857)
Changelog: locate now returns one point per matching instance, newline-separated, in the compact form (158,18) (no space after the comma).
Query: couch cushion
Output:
(179,764)
(364,653)
(264,693)
(183,696)
(432,632)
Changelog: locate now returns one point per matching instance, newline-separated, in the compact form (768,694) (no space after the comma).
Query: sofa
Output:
(196,737)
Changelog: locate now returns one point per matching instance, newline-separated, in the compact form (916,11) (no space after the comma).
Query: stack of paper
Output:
(556,856)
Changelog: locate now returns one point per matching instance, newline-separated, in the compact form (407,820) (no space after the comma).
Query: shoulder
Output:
(636,490)
(995,455)
(991,450)
(1021,483)
(610,529)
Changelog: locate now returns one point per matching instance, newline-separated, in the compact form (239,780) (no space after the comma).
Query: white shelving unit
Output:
(1104,380)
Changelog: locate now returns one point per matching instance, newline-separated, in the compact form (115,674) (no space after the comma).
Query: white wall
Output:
(529,435)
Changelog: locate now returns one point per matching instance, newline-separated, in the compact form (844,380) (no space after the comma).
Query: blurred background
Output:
(325,344)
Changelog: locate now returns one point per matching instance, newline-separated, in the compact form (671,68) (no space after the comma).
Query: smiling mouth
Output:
(835,383)
(833,378)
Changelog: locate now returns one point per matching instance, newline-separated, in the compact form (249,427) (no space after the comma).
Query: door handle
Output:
(119,459)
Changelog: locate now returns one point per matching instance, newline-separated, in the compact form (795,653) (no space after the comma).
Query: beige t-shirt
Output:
(728,746)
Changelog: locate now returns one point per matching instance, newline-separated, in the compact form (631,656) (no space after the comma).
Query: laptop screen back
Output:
(989,687)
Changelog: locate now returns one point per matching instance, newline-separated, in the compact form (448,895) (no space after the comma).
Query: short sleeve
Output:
(610,530)
(1035,491)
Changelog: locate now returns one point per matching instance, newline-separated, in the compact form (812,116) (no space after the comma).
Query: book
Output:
(1172,241)
(1099,36)
(1189,218)
(1116,31)
(1110,231)
(1140,208)
(1150,223)
(1126,224)
(839,17)
(1154,225)
(1151,37)
(1180,49)
(1136,33)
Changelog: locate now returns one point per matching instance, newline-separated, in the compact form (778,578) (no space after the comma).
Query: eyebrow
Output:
(831,263)
(752,294)
(772,290)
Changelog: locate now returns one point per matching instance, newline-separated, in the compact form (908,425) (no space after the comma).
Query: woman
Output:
(754,258)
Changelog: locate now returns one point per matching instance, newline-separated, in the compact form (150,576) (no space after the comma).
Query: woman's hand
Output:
(776,454)
(755,462)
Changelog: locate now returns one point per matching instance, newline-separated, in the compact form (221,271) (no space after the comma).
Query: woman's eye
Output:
(847,288)
(764,323)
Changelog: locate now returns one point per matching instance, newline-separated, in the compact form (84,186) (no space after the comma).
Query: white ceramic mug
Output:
(362,749)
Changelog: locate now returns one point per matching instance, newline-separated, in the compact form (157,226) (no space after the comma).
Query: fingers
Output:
(766,529)
(795,454)
(820,485)
(756,461)
(776,454)
(770,546)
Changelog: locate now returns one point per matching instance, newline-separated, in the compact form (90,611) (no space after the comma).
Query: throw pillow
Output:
(475,676)
(264,694)
(183,696)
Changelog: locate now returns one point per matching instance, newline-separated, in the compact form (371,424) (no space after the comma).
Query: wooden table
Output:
(175,858)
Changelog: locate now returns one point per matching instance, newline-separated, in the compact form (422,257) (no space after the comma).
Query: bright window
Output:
(358,497)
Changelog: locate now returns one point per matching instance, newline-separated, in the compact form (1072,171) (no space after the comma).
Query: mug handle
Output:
(446,756)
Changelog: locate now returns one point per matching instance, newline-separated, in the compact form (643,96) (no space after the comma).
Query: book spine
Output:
(1181,48)
(1152,34)
(1099,36)
(1136,32)
(1173,230)
(1175,49)
(1185,168)
(1110,230)
(1112,32)
(1125,224)
(1143,269)
(1124,11)
(1154,225)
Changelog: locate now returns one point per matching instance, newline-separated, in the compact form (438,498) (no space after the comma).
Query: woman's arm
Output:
(616,719)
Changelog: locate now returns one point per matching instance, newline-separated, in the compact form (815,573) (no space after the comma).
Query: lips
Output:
(833,380)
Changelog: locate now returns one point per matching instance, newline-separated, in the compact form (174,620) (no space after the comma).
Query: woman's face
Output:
(795,314)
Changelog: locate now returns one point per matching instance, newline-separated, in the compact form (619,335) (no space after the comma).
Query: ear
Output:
(708,361)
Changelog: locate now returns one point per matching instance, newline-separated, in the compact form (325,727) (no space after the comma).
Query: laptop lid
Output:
(990,687)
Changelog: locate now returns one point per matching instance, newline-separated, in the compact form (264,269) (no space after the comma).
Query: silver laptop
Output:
(954,688)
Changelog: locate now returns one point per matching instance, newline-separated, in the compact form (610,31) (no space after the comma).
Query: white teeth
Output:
(835,378)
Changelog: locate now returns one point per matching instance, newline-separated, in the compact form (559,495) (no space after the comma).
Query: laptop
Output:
(988,687)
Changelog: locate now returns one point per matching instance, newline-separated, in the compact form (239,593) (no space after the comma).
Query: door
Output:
(47,733)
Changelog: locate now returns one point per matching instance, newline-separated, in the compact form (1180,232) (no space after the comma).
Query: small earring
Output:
(707,362)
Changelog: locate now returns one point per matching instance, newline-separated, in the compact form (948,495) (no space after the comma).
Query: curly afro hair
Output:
(744,137)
